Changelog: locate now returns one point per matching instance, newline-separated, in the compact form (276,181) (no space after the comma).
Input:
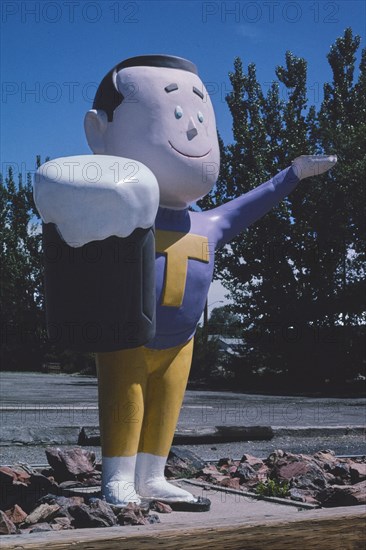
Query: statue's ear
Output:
(95,125)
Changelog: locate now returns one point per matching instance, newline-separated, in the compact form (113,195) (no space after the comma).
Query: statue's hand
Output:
(312,165)
(92,197)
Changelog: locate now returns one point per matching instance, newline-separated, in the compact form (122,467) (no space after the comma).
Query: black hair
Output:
(108,97)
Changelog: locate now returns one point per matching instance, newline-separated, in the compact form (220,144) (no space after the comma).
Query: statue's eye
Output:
(200,116)
(178,112)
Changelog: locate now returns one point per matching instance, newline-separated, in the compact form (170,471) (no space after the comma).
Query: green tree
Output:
(224,322)
(206,358)
(24,344)
(295,275)
(342,127)
(22,320)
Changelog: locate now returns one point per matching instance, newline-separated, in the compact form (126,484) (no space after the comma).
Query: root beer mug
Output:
(99,251)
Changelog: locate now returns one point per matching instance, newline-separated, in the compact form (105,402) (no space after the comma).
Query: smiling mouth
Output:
(189,156)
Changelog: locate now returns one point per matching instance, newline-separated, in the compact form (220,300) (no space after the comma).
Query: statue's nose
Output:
(192,130)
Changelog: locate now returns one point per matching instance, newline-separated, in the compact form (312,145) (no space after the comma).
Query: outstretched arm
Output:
(232,218)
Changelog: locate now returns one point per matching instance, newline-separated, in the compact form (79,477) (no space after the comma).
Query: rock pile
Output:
(33,501)
(66,495)
(56,513)
(321,479)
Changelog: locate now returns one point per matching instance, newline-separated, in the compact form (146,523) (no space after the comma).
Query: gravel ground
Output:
(346,445)
(349,445)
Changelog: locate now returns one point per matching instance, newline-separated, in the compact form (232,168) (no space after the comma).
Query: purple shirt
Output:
(185,247)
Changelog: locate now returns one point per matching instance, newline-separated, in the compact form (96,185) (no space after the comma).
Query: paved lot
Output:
(345,445)
(44,401)
(64,400)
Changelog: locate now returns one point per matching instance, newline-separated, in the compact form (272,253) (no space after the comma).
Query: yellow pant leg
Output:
(122,379)
(167,381)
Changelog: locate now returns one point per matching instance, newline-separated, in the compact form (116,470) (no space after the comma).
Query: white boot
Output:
(118,480)
(151,483)
(312,165)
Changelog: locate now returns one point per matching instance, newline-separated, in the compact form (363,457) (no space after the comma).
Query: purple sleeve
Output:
(235,216)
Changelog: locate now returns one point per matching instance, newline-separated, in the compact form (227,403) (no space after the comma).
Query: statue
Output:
(153,114)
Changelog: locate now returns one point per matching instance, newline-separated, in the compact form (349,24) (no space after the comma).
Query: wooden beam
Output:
(325,529)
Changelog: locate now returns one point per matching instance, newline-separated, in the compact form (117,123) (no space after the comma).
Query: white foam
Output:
(92,197)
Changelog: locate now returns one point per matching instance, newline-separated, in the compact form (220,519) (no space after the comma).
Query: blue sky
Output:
(54,53)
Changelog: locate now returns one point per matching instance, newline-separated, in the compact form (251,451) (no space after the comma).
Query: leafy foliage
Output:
(206,356)
(23,326)
(24,344)
(273,488)
(295,276)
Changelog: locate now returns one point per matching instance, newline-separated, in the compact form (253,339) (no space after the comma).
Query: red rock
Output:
(183,463)
(274,457)
(302,495)
(103,509)
(209,469)
(358,472)
(59,524)
(98,514)
(43,512)
(69,463)
(297,494)
(212,474)
(75,500)
(226,462)
(336,471)
(6,476)
(21,475)
(230,482)
(254,462)
(7,527)
(16,514)
(17,492)
(56,527)
(132,515)
(340,470)
(17,474)
(325,458)
(161,507)
(38,487)
(289,470)
(245,472)
(343,495)
(218,478)
(63,502)
(262,473)
(301,471)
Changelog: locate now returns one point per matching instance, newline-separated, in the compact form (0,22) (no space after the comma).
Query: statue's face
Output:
(167,122)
